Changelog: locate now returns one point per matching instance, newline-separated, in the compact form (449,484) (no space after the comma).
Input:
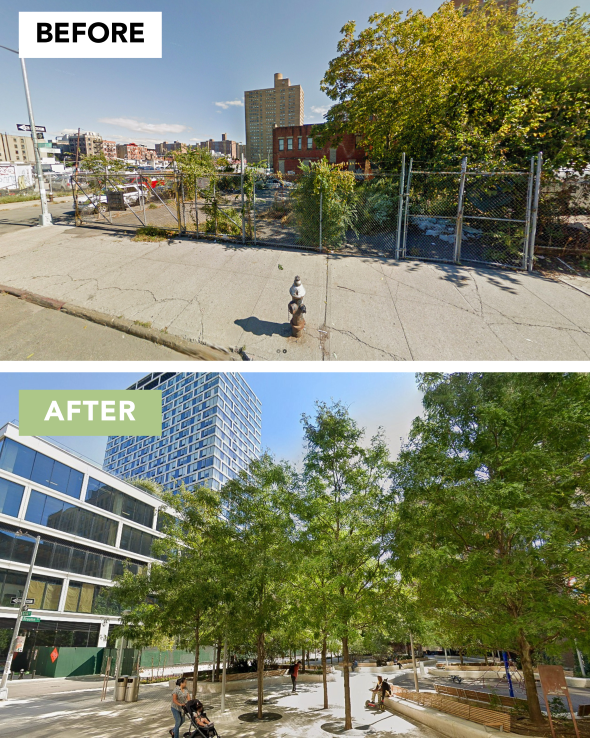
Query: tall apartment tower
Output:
(210,431)
(281,105)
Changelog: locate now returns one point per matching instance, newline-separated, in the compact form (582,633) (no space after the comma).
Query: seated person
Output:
(377,688)
(385,689)
(201,718)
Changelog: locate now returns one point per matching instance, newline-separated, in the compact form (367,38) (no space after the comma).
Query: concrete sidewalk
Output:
(358,308)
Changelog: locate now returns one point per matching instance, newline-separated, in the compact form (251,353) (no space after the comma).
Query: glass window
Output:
(136,540)
(309,142)
(119,503)
(42,469)
(11,495)
(299,142)
(13,584)
(46,510)
(281,144)
(289,144)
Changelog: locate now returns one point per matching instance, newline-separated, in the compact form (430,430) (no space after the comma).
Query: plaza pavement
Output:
(81,713)
(358,307)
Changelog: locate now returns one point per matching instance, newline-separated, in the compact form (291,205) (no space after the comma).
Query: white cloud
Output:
(140,127)
(320,109)
(229,103)
(66,131)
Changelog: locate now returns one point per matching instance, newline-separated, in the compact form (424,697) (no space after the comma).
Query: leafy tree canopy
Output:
(491,84)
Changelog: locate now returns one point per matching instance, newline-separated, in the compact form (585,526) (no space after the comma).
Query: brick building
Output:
(90,144)
(281,105)
(231,149)
(164,148)
(131,151)
(109,149)
(294,144)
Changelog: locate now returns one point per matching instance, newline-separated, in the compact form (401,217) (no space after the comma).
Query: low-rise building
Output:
(109,149)
(164,148)
(92,527)
(134,151)
(16,148)
(228,148)
(293,145)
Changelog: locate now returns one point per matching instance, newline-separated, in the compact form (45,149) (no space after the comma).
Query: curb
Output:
(201,351)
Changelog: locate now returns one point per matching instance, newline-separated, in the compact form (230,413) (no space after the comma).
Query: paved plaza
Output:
(79,712)
(358,307)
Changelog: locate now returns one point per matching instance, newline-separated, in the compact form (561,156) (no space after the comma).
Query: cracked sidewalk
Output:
(358,308)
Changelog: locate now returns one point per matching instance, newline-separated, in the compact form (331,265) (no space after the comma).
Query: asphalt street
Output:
(17,219)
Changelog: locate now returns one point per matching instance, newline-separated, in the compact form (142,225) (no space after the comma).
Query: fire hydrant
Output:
(296,308)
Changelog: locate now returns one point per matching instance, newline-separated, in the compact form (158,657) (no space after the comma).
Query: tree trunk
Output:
(219,647)
(532,698)
(461,656)
(303,661)
(325,672)
(197,647)
(346,672)
(260,669)
(213,666)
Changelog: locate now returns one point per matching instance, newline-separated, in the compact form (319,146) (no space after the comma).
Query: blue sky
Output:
(390,400)
(212,52)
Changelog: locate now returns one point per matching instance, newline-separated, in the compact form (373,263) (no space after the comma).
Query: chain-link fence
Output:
(466,216)
(470,216)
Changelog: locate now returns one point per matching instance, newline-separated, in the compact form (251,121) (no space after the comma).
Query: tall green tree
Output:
(493,501)
(259,551)
(346,524)
(496,84)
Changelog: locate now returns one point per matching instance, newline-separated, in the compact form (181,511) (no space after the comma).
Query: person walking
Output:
(293,672)
(180,697)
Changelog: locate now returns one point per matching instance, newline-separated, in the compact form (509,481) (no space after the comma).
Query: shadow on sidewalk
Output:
(263,327)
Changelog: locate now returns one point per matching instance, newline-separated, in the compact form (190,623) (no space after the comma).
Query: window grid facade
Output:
(210,431)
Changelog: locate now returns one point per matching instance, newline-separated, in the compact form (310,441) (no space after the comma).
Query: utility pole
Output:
(45,217)
(19,617)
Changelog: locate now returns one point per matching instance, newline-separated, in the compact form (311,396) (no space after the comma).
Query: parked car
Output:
(97,202)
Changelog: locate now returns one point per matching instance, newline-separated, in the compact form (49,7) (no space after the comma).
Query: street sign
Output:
(53,655)
(30,620)
(18,600)
(27,127)
(20,644)
(27,613)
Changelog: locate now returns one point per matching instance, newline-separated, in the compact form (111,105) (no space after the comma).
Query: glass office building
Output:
(210,431)
(92,526)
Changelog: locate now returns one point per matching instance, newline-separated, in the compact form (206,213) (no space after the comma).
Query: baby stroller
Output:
(192,708)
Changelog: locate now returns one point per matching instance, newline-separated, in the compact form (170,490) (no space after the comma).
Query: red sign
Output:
(53,655)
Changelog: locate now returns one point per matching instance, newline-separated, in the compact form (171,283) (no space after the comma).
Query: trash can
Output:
(120,688)
(132,690)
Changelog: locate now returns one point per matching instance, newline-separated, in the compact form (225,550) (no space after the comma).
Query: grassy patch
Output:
(144,325)
(17,198)
(152,233)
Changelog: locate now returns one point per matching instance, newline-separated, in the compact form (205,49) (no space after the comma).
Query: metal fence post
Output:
(142,195)
(400,206)
(178,203)
(535,212)
(407,208)
(459,223)
(321,209)
(254,208)
(214,205)
(243,205)
(527,224)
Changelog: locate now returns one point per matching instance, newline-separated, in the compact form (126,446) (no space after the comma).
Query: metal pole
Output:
(400,207)
(581,660)
(408,184)
(142,194)
(19,617)
(459,224)
(535,212)
(243,212)
(45,217)
(414,663)
(223,673)
(321,211)
(527,226)
(507,670)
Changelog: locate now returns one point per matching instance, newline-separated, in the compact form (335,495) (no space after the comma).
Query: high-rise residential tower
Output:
(281,105)
(210,431)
